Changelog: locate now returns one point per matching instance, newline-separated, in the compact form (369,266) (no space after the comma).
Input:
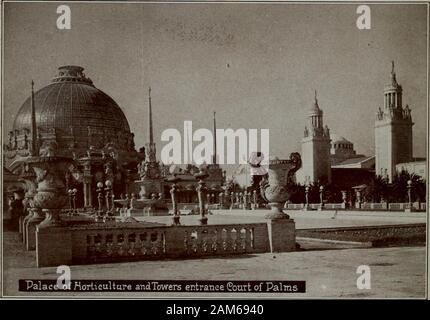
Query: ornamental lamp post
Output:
(409,191)
(108,190)
(100,198)
(74,192)
(358,199)
(307,198)
(173,192)
(254,195)
(201,189)
(221,200)
(410,207)
(321,198)
(70,192)
(344,199)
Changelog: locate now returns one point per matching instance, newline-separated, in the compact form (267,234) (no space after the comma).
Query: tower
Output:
(393,131)
(316,148)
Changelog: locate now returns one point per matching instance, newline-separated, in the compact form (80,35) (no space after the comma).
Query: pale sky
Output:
(256,65)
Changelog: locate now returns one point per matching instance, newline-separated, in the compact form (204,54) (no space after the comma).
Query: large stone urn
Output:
(51,194)
(274,189)
(28,179)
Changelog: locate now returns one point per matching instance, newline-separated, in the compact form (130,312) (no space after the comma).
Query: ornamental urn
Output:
(274,189)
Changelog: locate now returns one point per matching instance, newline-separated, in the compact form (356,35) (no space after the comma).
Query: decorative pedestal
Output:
(54,246)
(24,225)
(282,234)
(30,228)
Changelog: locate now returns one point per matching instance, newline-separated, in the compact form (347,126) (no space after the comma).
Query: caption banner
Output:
(28,285)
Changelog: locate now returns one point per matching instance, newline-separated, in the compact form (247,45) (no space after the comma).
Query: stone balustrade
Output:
(366,206)
(402,206)
(374,206)
(131,241)
(334,206)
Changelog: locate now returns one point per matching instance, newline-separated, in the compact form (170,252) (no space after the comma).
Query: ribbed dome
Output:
(71,103)
(335,139)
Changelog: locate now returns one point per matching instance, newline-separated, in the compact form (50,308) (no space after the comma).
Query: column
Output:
(85,195)
(87,192)
(90,194)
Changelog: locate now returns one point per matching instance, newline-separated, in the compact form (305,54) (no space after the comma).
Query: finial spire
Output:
(150,131)
(150,146)
(316,100)
(393,74)
(214,146)
(34,143)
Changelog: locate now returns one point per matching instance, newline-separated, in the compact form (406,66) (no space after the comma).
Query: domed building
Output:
(341,149)
(70,117)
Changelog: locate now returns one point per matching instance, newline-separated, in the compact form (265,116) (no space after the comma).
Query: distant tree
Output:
(376,190)
(399,187)
(232,185)
(419,191)
(296,193)
(333,194)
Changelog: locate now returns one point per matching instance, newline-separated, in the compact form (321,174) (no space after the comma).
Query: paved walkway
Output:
(304,219)
(329,272)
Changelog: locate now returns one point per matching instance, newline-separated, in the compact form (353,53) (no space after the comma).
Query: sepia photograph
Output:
(205,150)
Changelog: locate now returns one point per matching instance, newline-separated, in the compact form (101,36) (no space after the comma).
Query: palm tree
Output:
(377,190)
(399,187)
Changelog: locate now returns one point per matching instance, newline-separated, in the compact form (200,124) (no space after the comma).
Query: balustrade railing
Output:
(363,206)
(116,242)
(334,206)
